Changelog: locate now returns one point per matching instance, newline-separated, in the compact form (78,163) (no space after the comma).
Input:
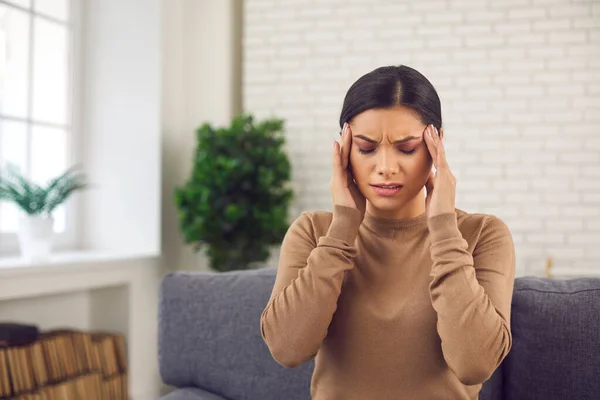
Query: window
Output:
(36,65)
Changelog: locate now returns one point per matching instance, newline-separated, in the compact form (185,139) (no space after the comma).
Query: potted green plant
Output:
(235,202)
(37,203)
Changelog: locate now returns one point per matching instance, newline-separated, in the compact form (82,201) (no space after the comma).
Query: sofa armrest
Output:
(178,319)
(209,336)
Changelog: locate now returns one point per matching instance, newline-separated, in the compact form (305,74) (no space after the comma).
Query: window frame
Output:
(68,239)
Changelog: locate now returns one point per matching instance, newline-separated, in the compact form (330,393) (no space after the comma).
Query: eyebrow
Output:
(406,139)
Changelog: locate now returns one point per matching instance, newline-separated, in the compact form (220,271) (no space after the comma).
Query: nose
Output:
(386,164)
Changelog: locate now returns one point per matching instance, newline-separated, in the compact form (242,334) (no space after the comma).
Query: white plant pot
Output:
(35,236)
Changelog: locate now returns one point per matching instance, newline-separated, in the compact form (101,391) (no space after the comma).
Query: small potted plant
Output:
(37,203)
(235,202)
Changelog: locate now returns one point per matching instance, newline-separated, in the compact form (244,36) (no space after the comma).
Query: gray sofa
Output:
(210,347)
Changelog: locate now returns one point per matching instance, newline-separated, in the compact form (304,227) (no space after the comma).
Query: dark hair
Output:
(391,86)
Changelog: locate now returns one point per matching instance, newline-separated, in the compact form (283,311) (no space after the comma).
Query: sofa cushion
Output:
(209,337)
(556,340)
(191,394)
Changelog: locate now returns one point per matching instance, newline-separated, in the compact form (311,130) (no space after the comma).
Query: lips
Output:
(387,189)
(387,186)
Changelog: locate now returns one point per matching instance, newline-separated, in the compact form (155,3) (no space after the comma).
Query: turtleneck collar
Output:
(389,227)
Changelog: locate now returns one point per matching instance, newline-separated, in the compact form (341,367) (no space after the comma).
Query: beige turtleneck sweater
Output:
(393,309)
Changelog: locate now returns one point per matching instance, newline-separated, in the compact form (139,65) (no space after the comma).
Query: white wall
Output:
(119,139)
(49,312)
(201,83)
(121,125)
(520,88)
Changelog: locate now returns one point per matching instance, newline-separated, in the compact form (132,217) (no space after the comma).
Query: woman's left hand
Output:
(441,185)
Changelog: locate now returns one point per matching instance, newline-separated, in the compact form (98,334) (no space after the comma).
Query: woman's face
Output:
(388,148)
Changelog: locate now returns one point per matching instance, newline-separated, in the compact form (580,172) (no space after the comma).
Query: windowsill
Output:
(65,261)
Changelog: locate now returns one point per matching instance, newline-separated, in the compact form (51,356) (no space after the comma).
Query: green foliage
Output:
(236,200)
(34,199)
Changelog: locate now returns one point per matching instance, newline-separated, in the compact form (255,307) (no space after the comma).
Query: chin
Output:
(392,205)
(386,204)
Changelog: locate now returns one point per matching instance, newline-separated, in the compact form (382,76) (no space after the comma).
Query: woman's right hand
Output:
(343,188)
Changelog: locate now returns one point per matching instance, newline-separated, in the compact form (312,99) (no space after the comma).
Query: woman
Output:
(398,294)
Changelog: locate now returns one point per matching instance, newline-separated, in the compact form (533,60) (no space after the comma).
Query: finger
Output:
(431,144)
(442,161)
(337,163)
(439,146)
(358,197)
(430,183)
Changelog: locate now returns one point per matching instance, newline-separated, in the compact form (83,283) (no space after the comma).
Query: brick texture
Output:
(520,88)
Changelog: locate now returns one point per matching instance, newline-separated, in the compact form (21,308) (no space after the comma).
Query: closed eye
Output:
(367,151)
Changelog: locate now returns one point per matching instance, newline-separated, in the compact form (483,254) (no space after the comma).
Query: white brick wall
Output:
(519,82)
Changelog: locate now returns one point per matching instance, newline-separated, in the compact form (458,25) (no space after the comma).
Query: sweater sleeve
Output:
(472,296)
(308,283)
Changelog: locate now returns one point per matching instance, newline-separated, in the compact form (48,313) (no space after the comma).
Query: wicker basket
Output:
(66,365)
